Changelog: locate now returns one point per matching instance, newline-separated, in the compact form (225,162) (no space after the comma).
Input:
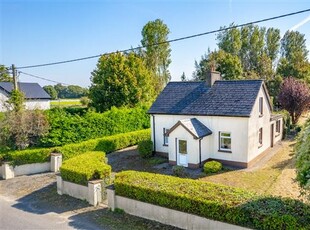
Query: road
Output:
(13,216)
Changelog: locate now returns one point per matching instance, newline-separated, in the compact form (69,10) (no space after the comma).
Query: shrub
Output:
(76,125)
(179,171)
(213,201)
(106,144)
(145,148)
(85,167)
(212,167)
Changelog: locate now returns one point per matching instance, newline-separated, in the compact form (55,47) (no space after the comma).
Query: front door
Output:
(271,135)
(182,153)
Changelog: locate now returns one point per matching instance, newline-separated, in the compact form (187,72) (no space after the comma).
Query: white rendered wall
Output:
(3,99)
(41,104)
(237,126)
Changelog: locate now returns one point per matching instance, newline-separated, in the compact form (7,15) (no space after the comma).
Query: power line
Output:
(169,41)
(46,79)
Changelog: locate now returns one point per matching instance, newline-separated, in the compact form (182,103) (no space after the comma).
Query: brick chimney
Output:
(213,76)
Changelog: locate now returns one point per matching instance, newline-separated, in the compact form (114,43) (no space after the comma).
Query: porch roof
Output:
(193,126)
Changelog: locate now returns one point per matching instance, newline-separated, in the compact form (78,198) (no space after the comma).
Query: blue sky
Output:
(41,31)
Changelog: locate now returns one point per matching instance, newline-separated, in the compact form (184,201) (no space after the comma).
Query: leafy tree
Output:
(120,80)
(294,54)
(230,40)
(71,91)
(51,91)
(183,77)
(157,57)
(272,43)
(294,97)
(293,43)
(273,85)
(227,64)
(4,74)
(60,89)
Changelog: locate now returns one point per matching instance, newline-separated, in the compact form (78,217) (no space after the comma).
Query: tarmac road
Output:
(12,217)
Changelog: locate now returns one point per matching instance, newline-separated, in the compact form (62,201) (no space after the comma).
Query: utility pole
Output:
(14,77)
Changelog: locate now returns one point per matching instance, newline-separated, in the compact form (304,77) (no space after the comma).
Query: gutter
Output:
(154,138)
(200,152)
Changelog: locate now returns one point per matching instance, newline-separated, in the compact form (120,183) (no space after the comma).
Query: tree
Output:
(230,40)
(272,43)
(51,91)
(157,57)
(293,43)
(227,64)
(294,97)
(4,74)
(120,80)
(183,77)
(60,89)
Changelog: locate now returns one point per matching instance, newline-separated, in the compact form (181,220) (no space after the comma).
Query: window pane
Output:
(182,146)
(225,134)
(225,143)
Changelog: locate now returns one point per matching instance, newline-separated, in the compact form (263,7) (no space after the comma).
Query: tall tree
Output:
(4,74)
(227,64)
(294,97)
(293,44)
(272,43)
(120,80)
(157,57)
(51,91)
(230,40)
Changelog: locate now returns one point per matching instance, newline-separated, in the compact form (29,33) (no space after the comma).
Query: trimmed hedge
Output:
(85,167)
(212,167)
(106,144)
(145,148)
(75,125)
(213,201)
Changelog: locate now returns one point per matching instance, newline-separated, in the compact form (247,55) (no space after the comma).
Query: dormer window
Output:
(261,106)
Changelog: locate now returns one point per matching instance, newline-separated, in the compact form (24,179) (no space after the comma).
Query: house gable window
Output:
(166,138)
(182,146)
(225,141)
(278,126)
(260,137)
(260,106)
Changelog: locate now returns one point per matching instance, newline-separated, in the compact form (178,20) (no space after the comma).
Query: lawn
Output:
(66,103)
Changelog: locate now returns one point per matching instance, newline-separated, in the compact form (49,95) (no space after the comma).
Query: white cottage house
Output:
(35,95)
(227,121)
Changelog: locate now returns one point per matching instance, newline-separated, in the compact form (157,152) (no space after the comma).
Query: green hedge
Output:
(85,167)
(302,150)
(73,126)
(213,201)
(106,144)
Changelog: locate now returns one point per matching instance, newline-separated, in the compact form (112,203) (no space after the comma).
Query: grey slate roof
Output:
(31,90)
(224,98)
(194,127)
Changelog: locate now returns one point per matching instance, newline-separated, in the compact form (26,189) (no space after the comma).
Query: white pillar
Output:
(59,184)
(56,161)
(94,192)
(111,197)
(7,171)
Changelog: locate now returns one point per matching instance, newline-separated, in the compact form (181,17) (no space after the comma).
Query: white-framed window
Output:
(166,138)
(261,106)
(260,137)
(183,146)
(278,126)
(225,141)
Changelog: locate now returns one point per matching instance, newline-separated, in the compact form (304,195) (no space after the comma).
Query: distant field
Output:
(66,103)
